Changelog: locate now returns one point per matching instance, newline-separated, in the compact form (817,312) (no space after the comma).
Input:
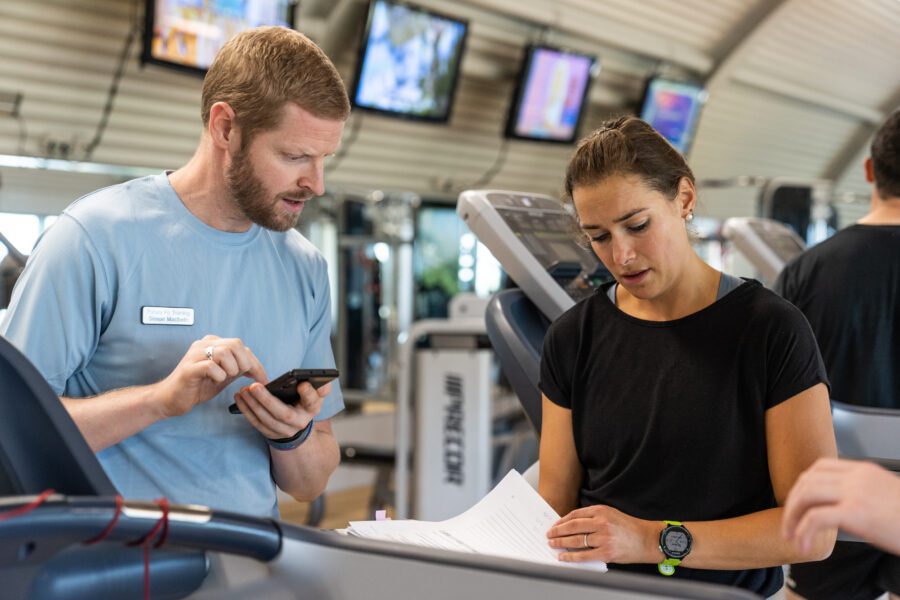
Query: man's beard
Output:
(249,193)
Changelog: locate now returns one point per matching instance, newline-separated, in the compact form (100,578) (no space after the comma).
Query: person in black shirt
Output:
(680,404)
(849,288)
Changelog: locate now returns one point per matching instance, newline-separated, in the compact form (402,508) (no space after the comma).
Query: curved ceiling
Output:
(796,86)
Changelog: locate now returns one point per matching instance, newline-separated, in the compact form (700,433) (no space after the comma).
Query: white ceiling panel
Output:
(849,50)
(697,23)
(745,131)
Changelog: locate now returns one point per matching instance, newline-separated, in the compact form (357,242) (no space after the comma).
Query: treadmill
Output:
(46,550)
(768,244)
(532,237)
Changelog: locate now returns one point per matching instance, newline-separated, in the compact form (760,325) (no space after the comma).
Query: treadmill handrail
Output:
(62,521)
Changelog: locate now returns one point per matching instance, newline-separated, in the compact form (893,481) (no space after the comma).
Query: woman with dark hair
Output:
(680,403)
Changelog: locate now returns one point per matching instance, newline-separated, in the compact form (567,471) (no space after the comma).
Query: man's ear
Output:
(222,128)
(870,170)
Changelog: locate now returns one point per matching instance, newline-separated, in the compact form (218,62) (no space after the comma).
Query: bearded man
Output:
(141,304)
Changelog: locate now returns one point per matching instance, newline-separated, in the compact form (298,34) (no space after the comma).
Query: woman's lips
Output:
(635,276)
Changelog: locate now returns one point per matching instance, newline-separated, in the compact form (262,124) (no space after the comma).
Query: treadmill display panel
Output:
(548,231)
(783,244)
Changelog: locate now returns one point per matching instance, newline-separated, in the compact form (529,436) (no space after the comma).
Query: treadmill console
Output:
(766,243)
(533,237)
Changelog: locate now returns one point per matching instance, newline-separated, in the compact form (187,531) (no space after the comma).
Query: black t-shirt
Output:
(849,288)
(669,417)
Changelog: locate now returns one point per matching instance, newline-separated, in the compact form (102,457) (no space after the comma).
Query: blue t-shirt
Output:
(77,314)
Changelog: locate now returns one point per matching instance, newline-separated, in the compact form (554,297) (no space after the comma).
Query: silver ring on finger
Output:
(585,544)
(209,352)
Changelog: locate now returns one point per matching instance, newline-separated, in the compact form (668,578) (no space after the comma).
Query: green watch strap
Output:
(667,566)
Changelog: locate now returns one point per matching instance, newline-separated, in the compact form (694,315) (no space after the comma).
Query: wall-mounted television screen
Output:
(409,62)
(673,109)
(551,95)
(186,34)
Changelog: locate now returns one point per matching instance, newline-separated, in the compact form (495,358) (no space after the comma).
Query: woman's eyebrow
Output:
(624,217)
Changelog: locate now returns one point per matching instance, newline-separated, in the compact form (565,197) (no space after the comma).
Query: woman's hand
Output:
(604,533)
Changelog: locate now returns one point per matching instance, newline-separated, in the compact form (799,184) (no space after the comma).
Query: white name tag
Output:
(164,315)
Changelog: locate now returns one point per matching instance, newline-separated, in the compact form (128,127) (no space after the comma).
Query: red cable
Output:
(112,525)
(164,505)
(161,525)
(24,510)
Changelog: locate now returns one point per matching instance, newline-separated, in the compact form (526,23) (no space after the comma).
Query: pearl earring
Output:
(690,217)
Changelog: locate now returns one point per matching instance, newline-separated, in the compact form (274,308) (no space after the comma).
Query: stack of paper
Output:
(511,521)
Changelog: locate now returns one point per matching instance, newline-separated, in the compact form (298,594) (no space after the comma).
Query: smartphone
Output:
(285,387)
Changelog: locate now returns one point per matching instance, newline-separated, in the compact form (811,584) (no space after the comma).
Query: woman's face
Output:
(638,233)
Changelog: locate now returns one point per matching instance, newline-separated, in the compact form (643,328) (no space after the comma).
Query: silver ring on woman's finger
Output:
(209,352)
(585,543)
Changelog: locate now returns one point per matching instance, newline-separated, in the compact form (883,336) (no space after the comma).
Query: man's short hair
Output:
(258,71)
(885,154)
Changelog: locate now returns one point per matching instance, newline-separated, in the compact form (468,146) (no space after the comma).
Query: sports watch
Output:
(675,543)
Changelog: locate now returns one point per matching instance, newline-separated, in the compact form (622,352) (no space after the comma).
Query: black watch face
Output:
(677,542)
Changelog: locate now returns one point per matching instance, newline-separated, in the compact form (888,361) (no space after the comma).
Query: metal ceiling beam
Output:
(733,49)
(734,38)
(800,93)
(735,45)
(846,157)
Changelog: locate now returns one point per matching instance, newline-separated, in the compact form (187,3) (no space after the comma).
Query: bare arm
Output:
(861,498)
(798,431)
(303,471)
(107,419)
(561,471)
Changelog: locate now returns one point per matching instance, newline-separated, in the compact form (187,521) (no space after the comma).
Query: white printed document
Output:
(511,522)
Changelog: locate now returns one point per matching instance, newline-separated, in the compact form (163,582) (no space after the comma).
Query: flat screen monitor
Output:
(187,34)
(673,109)
(409,62)
(551,95)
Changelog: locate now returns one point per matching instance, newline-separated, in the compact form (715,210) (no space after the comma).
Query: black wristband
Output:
(295,440)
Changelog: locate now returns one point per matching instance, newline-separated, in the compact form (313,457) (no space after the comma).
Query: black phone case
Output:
(285,387)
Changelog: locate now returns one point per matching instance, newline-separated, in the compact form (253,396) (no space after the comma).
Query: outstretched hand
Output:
(859,497)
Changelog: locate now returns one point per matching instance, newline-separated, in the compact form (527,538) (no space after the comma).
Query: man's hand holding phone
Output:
(282,416)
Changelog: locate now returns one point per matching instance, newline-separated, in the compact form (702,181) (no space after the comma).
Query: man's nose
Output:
(314,179)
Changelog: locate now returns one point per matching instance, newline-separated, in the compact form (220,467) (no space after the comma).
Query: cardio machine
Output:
(531,235)
(46,536)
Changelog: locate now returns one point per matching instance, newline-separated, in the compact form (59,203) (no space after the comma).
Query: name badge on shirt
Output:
(166,315)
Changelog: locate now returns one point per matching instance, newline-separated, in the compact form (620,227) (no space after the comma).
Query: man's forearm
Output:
(304,471)
(109,418)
